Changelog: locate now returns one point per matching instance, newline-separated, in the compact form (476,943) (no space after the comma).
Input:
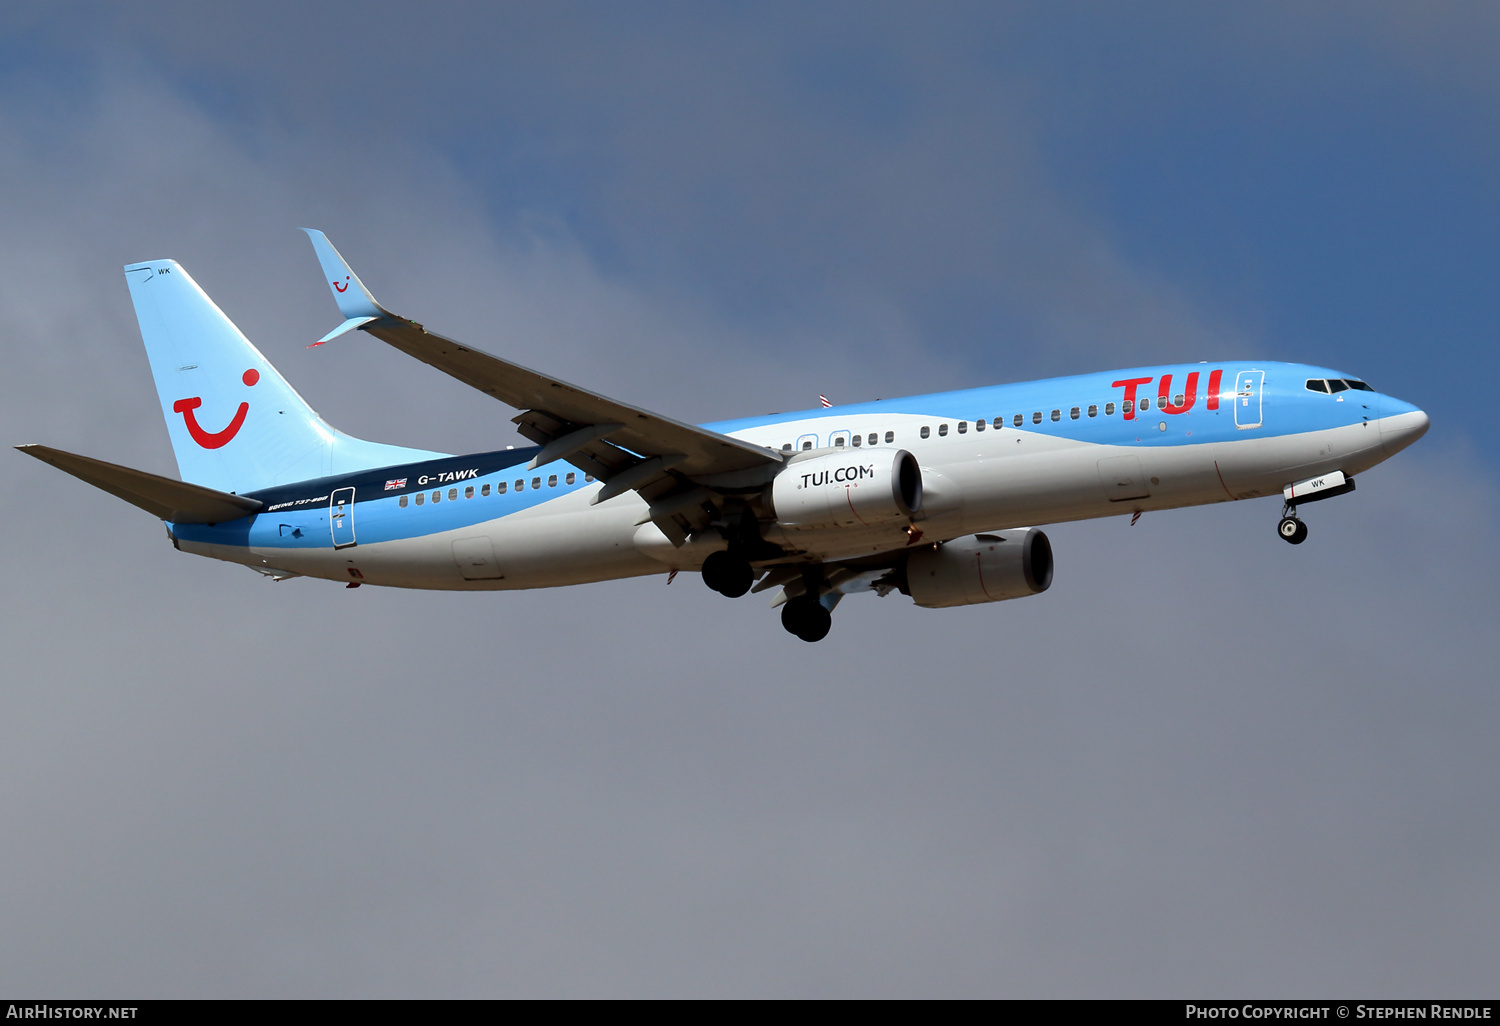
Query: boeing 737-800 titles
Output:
(932,496)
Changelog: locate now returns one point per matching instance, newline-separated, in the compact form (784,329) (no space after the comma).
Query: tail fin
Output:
(235,423)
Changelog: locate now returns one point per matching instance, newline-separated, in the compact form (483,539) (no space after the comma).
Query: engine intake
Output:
(854,488)
(980,568)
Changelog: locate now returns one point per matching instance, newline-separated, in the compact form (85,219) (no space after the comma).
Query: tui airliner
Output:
(933,496)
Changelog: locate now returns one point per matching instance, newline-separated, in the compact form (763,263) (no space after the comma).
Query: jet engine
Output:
(980,568)
(852,488)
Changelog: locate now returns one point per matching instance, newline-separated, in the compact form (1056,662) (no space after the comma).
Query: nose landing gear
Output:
(1291,529)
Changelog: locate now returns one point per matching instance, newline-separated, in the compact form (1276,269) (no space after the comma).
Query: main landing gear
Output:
(1290,528)
(805,617)
(728,574)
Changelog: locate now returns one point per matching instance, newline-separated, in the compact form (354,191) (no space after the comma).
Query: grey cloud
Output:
(1204,762)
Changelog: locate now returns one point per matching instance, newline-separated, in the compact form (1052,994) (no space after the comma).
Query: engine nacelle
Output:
(980,568)
(852,488)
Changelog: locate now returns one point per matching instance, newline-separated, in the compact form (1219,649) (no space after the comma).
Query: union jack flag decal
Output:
(394,484)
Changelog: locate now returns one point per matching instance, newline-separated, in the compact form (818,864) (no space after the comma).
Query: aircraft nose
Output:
(1400,424)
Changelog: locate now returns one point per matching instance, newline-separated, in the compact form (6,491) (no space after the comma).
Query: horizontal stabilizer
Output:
(162,497)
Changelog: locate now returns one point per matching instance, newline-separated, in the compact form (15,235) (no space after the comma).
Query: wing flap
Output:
(162,497)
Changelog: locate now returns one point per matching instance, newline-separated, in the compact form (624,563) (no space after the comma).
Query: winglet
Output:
(354,300)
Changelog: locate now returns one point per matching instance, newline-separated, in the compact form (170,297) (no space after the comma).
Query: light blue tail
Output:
(235,423)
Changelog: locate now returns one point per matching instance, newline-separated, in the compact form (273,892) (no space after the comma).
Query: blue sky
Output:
(1203,762)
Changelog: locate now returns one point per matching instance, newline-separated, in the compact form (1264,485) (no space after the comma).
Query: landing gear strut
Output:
(1290,528)
(728,574)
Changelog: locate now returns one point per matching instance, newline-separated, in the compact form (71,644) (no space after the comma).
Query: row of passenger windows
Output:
(500,489)
(1336,385)
(1017,420)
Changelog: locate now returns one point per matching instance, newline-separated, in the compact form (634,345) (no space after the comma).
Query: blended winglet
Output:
(354,300)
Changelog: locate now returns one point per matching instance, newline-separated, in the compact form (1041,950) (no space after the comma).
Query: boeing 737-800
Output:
(934,496)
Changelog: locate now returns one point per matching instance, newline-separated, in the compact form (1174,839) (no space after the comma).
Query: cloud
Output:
(1204,760)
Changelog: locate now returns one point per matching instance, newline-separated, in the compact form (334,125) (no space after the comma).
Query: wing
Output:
(669,463)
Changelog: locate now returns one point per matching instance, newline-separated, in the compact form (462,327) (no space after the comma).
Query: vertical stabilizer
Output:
(235,423)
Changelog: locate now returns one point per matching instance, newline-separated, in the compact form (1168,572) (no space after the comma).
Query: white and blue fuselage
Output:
(992,458)
(934,495)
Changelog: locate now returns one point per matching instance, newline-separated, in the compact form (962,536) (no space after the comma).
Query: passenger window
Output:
(999,423)
(469,492)
(1056,416)
(452,494)
(859,440)
(874,439)
(926,431)
(587,478)
(1317,385)
(1073,413)
(1335,385)
(942,430)
(552,481)
(421,497)
(570,478)
(1145,403)
(500,488)
(1036,418)
(806,446)
(484,489)
(979,425)
(437,497)
(787,447)
(1127,406)
(890,436)
(1093,409)
(838,443)
(520,485)
(1109,409)
(1177,399)
(401,502)
(1020,419)
(963,427)
(536,483)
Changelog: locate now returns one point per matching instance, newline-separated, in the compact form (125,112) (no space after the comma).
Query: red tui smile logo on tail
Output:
(341,288)
(214,439)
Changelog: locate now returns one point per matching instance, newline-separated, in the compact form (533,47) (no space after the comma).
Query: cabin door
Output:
(341,517)
(1247,402)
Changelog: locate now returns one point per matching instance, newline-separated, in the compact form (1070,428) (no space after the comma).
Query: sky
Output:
(1204,763)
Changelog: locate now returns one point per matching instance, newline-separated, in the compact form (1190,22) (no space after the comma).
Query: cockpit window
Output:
(1358,386)
(1337,385)
(1317,385)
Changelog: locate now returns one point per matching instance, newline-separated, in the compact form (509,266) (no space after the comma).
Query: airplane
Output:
(934,496)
